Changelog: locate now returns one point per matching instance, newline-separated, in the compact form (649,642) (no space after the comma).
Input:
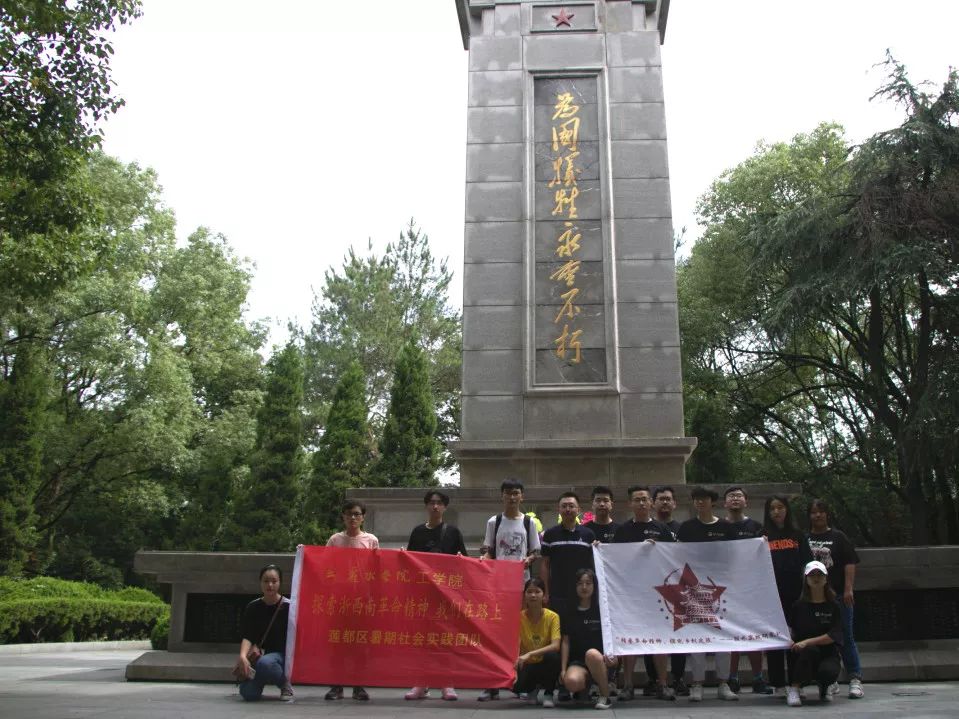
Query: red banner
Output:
(397,619)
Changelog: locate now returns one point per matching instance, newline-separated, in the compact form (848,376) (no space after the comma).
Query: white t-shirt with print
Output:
(511,542)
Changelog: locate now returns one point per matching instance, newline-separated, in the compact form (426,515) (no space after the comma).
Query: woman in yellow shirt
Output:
(538,664)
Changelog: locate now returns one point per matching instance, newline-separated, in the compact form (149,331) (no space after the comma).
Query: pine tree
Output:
(409,449)
(23,416)
(263,510)
(343,457)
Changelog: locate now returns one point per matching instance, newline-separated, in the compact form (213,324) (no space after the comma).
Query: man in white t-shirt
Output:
(512,537)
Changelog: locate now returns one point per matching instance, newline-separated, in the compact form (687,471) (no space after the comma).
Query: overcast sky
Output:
(299,128)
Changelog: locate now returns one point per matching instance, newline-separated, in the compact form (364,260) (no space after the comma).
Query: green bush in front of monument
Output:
(45,609)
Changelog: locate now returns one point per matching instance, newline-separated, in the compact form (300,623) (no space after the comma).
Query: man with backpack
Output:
(510,536)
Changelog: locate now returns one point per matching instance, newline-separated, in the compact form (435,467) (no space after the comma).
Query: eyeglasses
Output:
(353,514)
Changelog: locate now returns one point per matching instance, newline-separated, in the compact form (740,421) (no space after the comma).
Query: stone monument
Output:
(571,359)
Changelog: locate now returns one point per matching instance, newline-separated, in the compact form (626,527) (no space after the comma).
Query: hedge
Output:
(45,609)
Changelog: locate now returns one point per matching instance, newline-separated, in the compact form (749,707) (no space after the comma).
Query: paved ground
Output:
(59,685)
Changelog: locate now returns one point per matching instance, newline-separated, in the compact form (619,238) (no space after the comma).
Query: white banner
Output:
(693,597)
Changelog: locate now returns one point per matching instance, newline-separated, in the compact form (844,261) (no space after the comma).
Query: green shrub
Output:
(77,619)
(135,594)
(160,635)
(46,588)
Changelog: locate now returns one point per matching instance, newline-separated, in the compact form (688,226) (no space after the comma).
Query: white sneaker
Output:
(824,694)
(855,688)
(488,695)
(792,697)
(834,688)
(727,694)
(696,693)
(549,700)
(603,703)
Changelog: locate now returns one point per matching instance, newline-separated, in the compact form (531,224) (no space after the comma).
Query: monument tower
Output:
(571,360)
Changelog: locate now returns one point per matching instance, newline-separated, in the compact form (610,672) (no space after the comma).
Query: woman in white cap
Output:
(817,634)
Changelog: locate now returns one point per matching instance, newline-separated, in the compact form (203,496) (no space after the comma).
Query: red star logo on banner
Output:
(690,601)
(563,18)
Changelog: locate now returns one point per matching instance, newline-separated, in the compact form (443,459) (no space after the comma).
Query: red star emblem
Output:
(690,601)
(563,18)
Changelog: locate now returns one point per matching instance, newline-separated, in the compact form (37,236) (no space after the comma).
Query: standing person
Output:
(581,652)
(442,538)
(352,537)
(735,500)
(602,522)
(566,548)
(640,528)
(664,501)
(510,536)
(664,504)
(707,527)
(815,621)
(263,629)
(837,553)
(790,553)
(539,639)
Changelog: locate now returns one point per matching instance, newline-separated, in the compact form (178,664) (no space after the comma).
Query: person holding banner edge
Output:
(790,554)
(707,527)
(539,642)
(263,628)
(815,623)
(435,536)
(581,651)
(642,528)
(353,513)
(735,499)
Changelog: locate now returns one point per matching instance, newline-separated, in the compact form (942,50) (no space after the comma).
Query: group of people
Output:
(561,655)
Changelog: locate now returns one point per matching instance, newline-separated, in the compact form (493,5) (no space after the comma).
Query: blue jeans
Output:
(850,653)
(269,670)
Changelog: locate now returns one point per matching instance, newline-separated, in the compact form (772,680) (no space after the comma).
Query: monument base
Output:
(616,463)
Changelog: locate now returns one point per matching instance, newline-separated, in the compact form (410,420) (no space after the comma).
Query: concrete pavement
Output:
(61,685)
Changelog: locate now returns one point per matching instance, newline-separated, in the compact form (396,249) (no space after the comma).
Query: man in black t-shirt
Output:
(602,523)
(565,549)
(436,535)
(664,502)
(743,527)
(441,538)
(706,527)
(642,527)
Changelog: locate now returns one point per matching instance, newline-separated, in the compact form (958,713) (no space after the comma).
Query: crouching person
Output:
(581,652)
(263,647)
(539,640)
(817,634)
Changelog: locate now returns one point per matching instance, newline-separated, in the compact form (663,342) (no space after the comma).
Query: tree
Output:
(368,310)
(409,450)
(55,74)
(262,513)
(23,409)
(830,273)
(343,457)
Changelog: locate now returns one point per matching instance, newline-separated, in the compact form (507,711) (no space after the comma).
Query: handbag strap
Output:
(272,619)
